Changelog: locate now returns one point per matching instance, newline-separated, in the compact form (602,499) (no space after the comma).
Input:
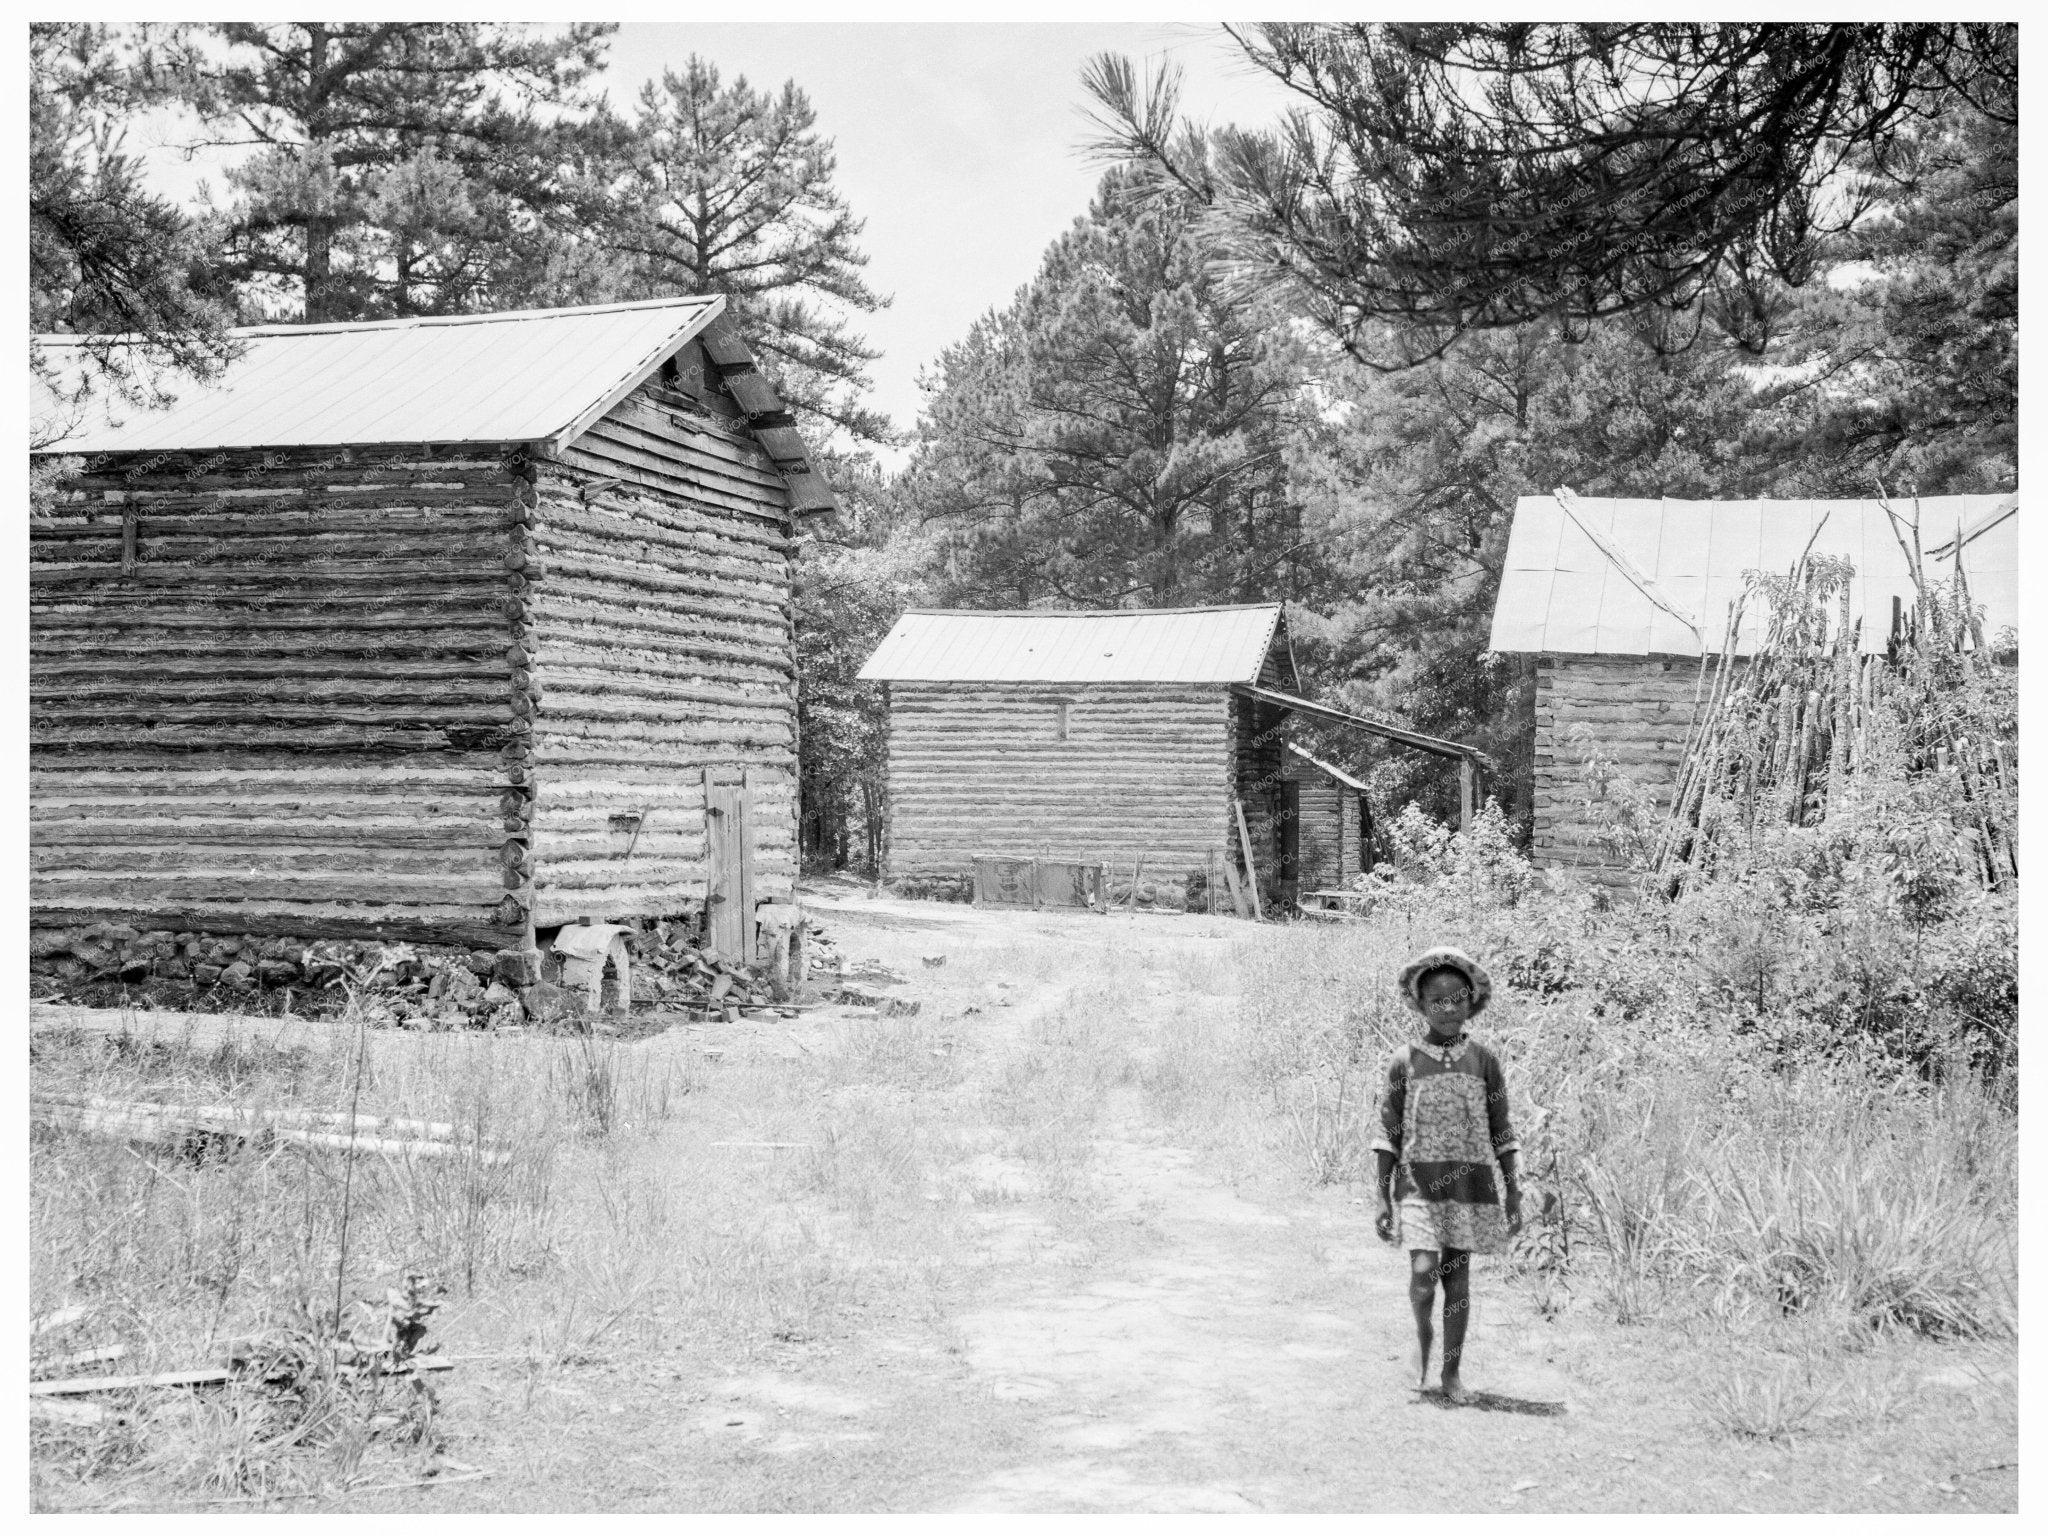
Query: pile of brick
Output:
(671,972)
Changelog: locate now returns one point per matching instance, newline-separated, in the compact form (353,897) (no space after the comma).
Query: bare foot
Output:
(1456,1391)
(1420,1360)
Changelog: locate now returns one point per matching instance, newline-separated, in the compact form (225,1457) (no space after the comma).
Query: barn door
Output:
(729,863)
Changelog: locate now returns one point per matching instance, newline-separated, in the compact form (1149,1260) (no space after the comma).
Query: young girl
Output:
(1443,1121)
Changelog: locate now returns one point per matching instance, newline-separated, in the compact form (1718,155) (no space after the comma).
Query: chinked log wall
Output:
(271,693)
(660,643)
(979,768)
(1637,710)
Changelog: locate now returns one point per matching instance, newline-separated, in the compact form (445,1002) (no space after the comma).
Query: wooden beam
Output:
(1437,744)
(1251,870)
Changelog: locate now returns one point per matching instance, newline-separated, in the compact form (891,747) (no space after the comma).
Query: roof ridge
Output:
(1084,613)
(403,322)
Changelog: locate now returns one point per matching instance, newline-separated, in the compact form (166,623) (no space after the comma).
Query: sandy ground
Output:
(1193,1343)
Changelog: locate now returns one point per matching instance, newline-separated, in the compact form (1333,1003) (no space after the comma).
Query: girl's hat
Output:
(1444,958)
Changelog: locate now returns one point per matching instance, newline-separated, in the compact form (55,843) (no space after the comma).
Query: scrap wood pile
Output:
(1800,728)
(198,1128)
(373,1368)
(671,971)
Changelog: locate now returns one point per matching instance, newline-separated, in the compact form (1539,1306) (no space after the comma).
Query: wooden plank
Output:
(756,396)
(722,876)
(1251,870)
(1236,890)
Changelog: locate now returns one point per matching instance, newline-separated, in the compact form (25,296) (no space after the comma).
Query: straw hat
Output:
(1443,957)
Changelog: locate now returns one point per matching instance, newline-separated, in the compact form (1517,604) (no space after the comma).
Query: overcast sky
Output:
(957,143)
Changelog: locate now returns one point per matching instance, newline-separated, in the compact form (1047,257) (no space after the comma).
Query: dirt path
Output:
(1137,1324)
(1239,1347)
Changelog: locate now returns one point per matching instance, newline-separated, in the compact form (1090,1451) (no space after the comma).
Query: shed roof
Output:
(521,376)
(1607,576)
(1112,645)
(1328,770)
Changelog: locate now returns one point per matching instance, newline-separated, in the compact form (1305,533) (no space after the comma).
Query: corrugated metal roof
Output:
(1330,770)
(1115,645)
(522,376)
(1561,593)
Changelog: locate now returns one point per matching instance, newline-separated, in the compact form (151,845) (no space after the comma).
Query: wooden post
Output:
(1251,870)
(1465,793)
(1215,882)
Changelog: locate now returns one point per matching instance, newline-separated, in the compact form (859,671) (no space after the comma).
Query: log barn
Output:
(1617,600)
(448,629)
(1105,735)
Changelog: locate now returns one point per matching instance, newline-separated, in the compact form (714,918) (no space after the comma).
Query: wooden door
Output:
(1290,842)
(728,863)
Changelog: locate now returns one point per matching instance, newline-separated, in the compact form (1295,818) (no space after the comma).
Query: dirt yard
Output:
(1005,1255)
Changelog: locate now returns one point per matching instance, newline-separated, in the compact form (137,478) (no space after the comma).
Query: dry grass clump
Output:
(173,1251)
(1677,1165)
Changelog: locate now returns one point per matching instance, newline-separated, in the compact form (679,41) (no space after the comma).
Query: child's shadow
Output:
(1495,1402)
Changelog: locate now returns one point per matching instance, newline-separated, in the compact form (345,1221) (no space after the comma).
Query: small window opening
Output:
(1060,721)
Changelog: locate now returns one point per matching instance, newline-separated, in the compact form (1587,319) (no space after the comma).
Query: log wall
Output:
(659,632)
(1637,709)
(1328,844)
(980,768)
(271,692)
(1257,740)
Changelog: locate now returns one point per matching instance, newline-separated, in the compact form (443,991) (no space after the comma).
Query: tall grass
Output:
(1691,1170)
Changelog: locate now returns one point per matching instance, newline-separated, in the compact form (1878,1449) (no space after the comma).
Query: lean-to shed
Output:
(1109,734)
(1618,599)
(1333,822)
(443,629)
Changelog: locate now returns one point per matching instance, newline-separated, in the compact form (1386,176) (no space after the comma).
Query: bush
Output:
(1792,1089)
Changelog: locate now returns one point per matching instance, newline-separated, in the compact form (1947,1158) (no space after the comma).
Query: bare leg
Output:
(1456,1270)
(1422,1298)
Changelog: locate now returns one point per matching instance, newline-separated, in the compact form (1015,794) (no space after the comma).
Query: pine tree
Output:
(402,167)
(1113,435)
(1477,175)
(106,256)
(720,188)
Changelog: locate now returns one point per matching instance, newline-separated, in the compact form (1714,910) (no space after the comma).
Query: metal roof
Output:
(1666,561)
(522,376)
(1328,770)
(1113,645)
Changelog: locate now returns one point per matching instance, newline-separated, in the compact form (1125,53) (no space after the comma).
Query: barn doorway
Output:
(728,864)
(1290,840)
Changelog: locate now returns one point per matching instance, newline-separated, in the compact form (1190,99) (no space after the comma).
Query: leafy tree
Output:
(1113,435)
(402,167)
(106,256)
(1461,175)
(852,581)
(720,188)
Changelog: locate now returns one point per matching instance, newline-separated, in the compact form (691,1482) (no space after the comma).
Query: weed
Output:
(1750,1403)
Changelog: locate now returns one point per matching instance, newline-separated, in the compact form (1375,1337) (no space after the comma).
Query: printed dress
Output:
(1444,1116)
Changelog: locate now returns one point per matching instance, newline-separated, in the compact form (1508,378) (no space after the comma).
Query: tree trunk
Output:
(319,227)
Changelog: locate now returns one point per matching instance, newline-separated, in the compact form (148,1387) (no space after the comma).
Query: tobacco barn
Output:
(1618,599)
(446,629)
(1112,735)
